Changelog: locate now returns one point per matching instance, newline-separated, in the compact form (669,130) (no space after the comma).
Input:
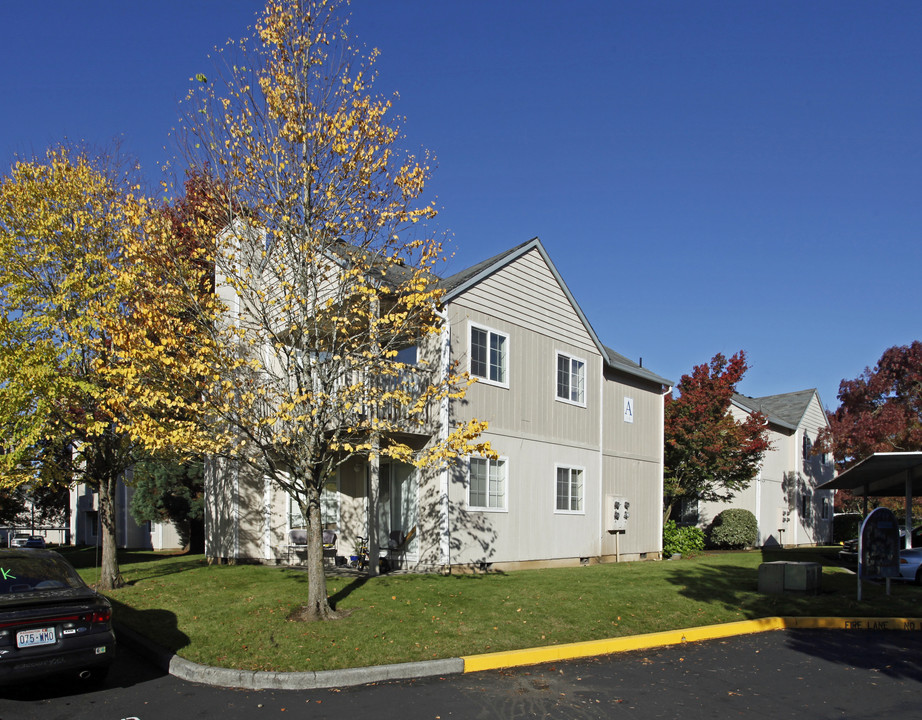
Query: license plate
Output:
(31,638)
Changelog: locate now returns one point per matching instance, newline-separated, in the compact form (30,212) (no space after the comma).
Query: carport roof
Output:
(881,475)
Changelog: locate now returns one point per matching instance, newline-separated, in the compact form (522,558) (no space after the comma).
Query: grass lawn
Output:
(235,615)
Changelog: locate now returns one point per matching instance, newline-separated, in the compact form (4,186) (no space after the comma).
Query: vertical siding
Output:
(632,465)
(219,510)
(524,301)
(641,438)
(526,293)
(814,472)
(528,407)
(768,496)
(535,432)
(528,426)
(785,477)
(530,528)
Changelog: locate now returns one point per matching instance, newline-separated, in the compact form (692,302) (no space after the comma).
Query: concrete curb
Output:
(261,680)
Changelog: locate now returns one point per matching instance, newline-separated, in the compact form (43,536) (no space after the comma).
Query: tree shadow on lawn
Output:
(300,576)
(86,557)
(736,588)
(358,581)
(154,567)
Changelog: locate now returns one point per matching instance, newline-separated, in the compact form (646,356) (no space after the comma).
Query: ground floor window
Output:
(329,507)
(569,489)
(685,511)
(487,484)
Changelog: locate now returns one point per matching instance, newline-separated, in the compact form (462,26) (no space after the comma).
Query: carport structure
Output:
(896,474)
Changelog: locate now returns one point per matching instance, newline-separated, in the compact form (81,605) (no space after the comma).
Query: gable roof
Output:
(786,409)
(457,284)
(617,361)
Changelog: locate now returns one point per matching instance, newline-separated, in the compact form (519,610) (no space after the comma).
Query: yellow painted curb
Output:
(572,651)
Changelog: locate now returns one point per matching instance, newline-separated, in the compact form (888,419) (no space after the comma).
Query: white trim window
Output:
(489,355)
(486,487)
(569,489)
(571,379)
(329,507)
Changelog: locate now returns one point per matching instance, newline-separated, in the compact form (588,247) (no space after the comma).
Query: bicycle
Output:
(359,558)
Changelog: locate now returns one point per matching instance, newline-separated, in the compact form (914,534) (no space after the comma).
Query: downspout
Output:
(662,468)
(124,523)
(444,505)
(267,518)
(601,500)
(798,501)
(236,511)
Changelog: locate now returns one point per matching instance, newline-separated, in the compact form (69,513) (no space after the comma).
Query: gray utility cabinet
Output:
(782,576)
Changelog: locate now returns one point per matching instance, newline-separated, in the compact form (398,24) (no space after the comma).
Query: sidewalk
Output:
(262,680)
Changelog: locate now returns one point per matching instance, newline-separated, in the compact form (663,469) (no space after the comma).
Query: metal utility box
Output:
(802,577)
(782,576)
(617,512)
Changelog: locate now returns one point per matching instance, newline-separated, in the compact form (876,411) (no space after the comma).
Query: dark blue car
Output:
(50,621)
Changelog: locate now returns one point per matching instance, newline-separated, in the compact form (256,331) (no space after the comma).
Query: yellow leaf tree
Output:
(63,221)
(322,275)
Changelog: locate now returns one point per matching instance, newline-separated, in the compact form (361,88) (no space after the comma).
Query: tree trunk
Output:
(318,604)
(374,493)
(109,578)
(667,510)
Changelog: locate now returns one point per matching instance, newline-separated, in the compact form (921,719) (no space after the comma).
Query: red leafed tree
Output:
(709,455)
(879,411)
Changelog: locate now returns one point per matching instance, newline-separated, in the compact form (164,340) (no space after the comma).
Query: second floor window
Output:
(571,379)
(489,350)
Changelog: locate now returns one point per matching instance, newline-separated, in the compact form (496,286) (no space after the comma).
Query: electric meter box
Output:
(617,513)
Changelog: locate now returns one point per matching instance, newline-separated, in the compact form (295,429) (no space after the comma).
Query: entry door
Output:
(398,502)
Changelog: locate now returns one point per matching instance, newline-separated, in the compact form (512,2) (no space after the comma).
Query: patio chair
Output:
(397,545)
(297,540)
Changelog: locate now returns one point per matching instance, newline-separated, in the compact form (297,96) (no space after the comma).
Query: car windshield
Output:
(20,573)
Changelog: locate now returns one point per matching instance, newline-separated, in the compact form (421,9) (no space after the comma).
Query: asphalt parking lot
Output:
(778,674)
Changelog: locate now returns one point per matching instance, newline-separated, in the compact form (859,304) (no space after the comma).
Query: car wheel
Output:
(919,576)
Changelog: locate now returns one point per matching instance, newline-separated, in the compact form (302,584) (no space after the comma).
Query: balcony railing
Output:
(378,398)
(370,395)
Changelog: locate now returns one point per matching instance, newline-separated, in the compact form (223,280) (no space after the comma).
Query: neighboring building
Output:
(578,428)
(783,496)
(84,522)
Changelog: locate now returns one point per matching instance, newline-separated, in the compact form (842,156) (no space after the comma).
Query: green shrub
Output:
(681,540)
(733,529)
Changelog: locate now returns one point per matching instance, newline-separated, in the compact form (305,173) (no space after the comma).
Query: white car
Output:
(911,565)
(19,538)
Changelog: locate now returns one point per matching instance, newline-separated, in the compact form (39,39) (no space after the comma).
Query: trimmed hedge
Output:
(733,529)
(681,540)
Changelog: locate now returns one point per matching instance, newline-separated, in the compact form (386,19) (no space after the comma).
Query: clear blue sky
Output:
(707,176)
